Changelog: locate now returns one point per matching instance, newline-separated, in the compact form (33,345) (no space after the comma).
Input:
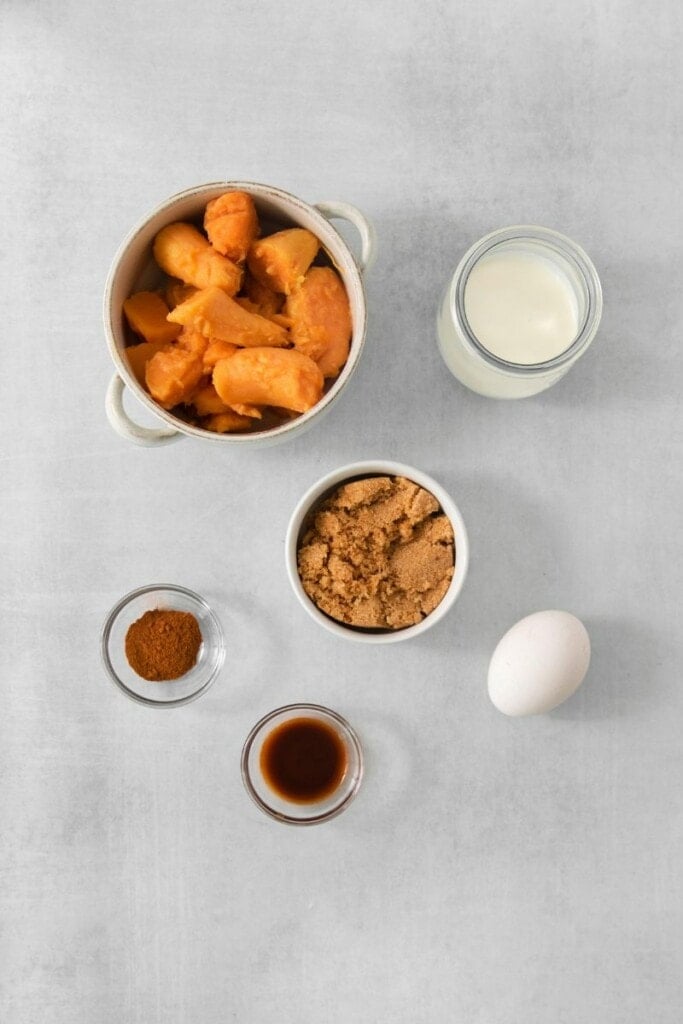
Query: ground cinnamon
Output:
(163,644)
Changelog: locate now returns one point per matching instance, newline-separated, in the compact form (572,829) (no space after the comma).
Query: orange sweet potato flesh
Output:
(251,307)
(146,313)
(208,402)
(176,292)
(227,423)
(266,301)
(231,222)
(215,315)
(217,350)
(182,251)
(172,375)
(139,355)
(280,261)
(269,376)
(281,320)
(247,304)
(193,341)
(252,411)
(321,319)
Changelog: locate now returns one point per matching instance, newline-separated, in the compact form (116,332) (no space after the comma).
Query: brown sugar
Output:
(163,644)
(378,553)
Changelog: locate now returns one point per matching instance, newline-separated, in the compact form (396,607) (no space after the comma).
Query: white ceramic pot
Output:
(320,490)
(133,269)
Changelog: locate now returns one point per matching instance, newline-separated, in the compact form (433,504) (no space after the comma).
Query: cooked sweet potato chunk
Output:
(267,302)
(176,292)
(280,261)
(227,423)
(281,320)
(146,313)
(321,319)
(215,315)
(251,307)
(269,376)
(231,222)
(172,375)
(247,304)
(139,355)
(182,251)
(252,411)
(217,350)
(208,402)
(192,341)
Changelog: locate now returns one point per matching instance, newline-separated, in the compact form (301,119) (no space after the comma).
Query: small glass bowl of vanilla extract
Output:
(302,764)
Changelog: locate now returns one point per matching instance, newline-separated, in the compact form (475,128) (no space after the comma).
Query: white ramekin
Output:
(324,486)
(133,268)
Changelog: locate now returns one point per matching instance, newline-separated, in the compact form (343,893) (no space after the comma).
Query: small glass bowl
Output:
(174,692)
(286,811)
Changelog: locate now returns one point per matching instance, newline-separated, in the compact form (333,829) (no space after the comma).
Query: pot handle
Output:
(365,228)
(123,424)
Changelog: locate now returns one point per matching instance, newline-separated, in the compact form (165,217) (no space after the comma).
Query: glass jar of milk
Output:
(523,305)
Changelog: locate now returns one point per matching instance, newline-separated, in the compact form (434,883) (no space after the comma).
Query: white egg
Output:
(540,661)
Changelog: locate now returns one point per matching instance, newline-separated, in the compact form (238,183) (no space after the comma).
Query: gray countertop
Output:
(491,870)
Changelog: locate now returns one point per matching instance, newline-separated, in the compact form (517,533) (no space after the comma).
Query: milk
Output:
(521,307)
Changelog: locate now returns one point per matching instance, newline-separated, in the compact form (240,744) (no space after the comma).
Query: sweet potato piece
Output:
(172,375)
(247,304)
(269,376)
(281,320)
(217,350)
(252,411)
(176,292)
(139,355)
(267,301)
(146,313)
(215,315)
(208,402)
(280,261)
(182,251)
(321,319)
(227,423)
(192,341)
(231,222)
(251,307)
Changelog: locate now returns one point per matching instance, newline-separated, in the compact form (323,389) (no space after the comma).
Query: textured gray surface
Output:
(491,871)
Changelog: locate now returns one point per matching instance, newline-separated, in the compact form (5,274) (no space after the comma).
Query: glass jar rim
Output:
(565,247)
